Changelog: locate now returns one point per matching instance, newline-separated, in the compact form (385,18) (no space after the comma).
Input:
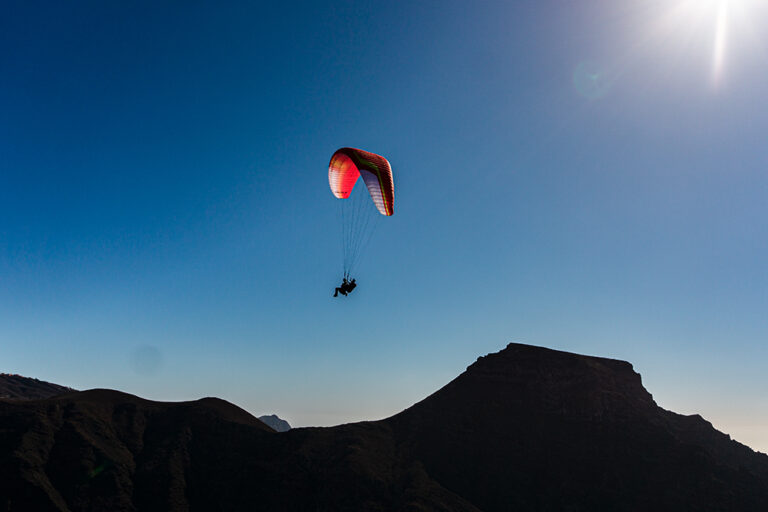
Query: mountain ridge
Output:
(525,428)
(18,387)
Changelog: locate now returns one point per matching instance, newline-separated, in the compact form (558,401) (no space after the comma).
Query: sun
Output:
(723,20)
(692,15)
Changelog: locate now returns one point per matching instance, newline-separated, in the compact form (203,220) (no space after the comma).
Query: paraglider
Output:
(345,288)
(357,217)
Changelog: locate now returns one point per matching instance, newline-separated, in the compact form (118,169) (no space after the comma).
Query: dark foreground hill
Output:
(23,388)
(523,429)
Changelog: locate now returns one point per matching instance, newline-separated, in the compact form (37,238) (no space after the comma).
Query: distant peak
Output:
(275,422)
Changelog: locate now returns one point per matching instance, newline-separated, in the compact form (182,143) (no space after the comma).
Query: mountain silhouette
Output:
(531,428)
(526,428)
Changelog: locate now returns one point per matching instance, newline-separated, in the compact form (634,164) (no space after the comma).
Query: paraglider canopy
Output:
(358,218)
(348,164)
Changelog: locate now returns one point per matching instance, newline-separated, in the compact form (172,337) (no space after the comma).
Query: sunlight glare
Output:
(720,40)
(715,23)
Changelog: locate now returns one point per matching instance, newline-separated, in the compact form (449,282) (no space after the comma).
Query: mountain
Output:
(24,388)
(527,428)
(278,424)
(530,428)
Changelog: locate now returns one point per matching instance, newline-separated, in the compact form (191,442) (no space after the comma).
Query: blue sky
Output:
(579,175)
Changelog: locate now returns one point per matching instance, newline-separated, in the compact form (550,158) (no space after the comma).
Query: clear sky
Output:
(589,176)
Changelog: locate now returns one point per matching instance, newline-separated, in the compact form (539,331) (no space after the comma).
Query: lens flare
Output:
(592,80)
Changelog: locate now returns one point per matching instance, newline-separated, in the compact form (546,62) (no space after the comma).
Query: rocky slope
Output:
(23,388)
